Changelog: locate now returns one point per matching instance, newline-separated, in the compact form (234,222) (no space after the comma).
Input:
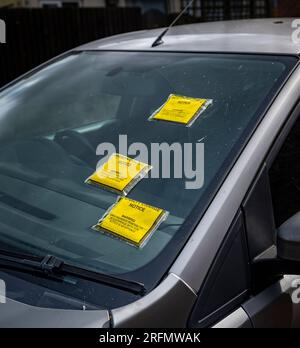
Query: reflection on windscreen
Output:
(52,122)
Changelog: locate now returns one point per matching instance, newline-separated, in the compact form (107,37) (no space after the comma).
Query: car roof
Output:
(272,36)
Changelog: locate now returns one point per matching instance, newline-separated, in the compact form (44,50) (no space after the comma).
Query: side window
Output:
(227,283)
(258,214)
(285,177)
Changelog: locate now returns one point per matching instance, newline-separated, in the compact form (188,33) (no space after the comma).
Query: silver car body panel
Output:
(167,306)
(245,36)
(19,315)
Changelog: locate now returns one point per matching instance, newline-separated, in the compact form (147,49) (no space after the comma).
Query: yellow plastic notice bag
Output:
(119,174)
(131,221)
(182,110)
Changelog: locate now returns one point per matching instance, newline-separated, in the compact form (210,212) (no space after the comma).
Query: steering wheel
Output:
(77,145)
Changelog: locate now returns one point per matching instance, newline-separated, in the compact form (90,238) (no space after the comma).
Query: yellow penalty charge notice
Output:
(180,109)
(131,221)
(119,174)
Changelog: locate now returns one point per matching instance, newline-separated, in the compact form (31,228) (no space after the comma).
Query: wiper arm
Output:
(53,266)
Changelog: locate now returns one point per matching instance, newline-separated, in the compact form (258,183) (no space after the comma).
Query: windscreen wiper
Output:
(52,266)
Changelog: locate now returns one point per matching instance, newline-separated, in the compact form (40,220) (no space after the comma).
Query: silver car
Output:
(228,252)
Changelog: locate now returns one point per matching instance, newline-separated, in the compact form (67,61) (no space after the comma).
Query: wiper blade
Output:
(55,267)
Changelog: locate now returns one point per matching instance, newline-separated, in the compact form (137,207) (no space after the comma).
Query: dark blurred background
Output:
(37,30)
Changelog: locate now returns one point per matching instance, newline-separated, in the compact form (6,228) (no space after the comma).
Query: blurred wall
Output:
(287,8)
(147,5)
(81,3)
(10,3)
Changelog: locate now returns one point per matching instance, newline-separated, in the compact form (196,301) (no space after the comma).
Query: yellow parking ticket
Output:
(180,109)
(119,174)
(131,221)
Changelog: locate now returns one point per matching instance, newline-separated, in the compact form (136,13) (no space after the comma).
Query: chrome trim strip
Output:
(186,284)
(237,319)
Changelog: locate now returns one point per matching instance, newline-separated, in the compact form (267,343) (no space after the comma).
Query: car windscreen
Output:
(186,116)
